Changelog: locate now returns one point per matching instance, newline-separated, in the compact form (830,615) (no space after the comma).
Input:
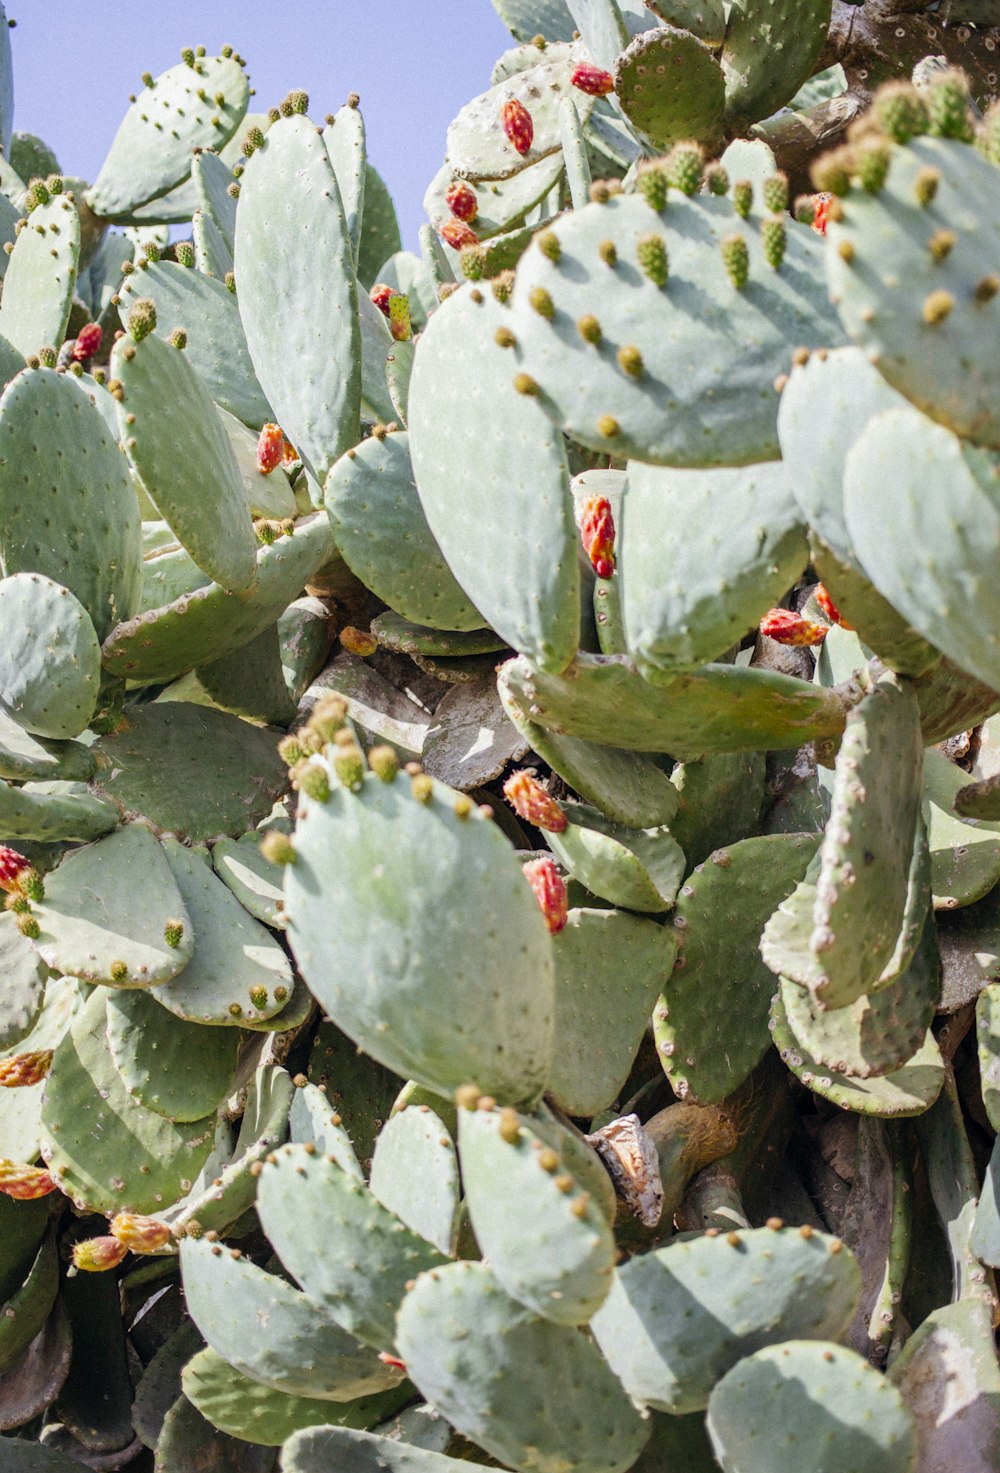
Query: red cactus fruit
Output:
(534,803)
(461,201)
(97,1255)
(15,871)
(592,79)
(289,453)
(270,449)
(24,1183)
(139,1234)
(88,343)
(822,212)
(829,608)
(382,295)
(786,627)
(550,892)
(597,528)
(517,125)
(458,235)
(23,1070)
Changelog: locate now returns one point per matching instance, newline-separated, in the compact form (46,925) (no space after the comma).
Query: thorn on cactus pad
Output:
(178,339)
(504,338)
(548,1160)
(936,307)
(173,933)
(736,259)
(608,252)
(651,253)
(142,319)
(510,1126)
(986,288)
(684,167)
(277,848)
(901,111)
(525,384)
(774,192)
(383,761)
(118,971)
(542,303)
(29,927)
(941,244)
(654,185)
(422,787)
(467,1097)
(548,244)
(590,329)
(925,185)
(717,180)
(608,427)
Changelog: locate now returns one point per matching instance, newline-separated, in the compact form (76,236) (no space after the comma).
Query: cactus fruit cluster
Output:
(500,767)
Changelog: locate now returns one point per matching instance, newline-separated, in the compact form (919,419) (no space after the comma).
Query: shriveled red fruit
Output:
(517,125)
(461,201)
(24,1183)
(270,449)
(828,606)
(592,79)
(786,627)
(597,528)
(97,1255)
(550,892)
(23,1070)
(822,212)
(140,1234)
(458,235)
(88,342)
(382,295)
(534,803)
(358,641)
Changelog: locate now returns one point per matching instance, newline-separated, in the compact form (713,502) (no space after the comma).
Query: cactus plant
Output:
(499,959)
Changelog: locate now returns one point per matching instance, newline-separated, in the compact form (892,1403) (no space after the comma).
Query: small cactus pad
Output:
(475,1354)
(671,87)
(179,1070)
(24,984)
(679,1318)
(415,1174)
(40,278)
(810,1401)
(639,869)
(769,51)
(478,146)
(50,660)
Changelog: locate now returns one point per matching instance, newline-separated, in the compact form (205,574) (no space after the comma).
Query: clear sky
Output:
(414,63)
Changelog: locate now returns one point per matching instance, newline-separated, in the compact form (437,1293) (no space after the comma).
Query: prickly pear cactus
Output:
(500,765)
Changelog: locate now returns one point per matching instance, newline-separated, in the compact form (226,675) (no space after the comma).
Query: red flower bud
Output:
(461,201)
(517,125)
(97,1255)
(597,528)
(822,212)
(23,1070)
(828,606)
(534,803)
(140,1234)
(88,342)
(382,295)
(550,892)
(270,449)
(591,79)
(25,1183)
(788,628)
(458,235)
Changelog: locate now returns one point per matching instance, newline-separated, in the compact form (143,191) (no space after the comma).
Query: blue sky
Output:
(414,64)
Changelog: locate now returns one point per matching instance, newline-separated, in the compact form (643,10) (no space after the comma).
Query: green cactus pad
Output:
(881,292)
(381,531)
(28,758)
(251,681)
(176,1069)
(711,1022)
(105,1150)
(212,256)
(27,1309)
(344,137)
(189,1440)
(180,450)
(810,1404)
(254,880)
(105,912)
(720,708)
(710,353)
(238,969)
(477,146)
(212,177)
(167,577)
(860,604)
(907,1091)
(190,771)
(23,984)
(965,854)
(526,19)
(548,1244)
(303,1352)
(363,1452)
(89,538)
(314,1120)
(408,638)
(671,87)
(251,1412)
(446,875)
(359,1090)
(304,635)
(988,1037)
(602,27)
(720,802)
(314,1213)
(478,1356)
(732,544)
(54,810)
(217,344)
(501,204)
(873,1035)
(475,442)
(40,278)
(21,1109)
(943,594)
(267,495)
(50,662)
(151,152)
(769,51)
(638,869)
(415,1175)
(680,1317)
(210,623)
(625,786)
(380,236)
(31,1385)
(610,968)
(299,294)
(981,800)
